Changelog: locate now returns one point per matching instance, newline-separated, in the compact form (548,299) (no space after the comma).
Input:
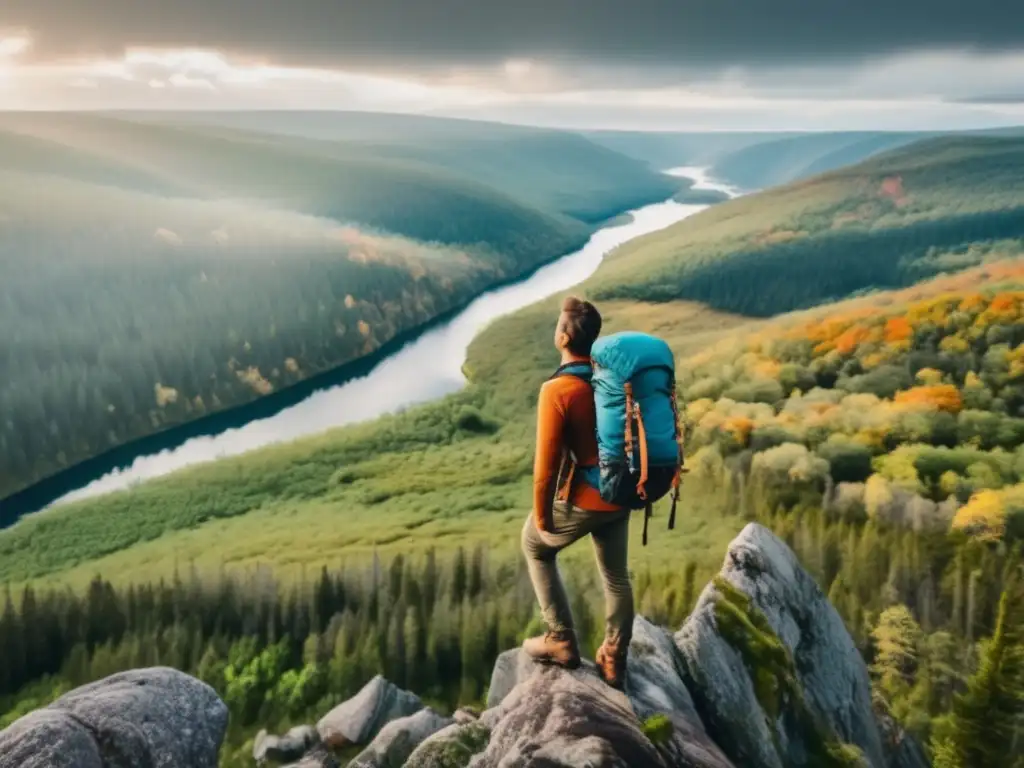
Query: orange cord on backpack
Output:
(641,490)
(679,469)
(629,425)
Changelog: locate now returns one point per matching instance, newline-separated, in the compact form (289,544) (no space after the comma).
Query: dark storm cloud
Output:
(701,33)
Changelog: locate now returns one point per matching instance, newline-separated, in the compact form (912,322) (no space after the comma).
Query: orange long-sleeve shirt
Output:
(565,419)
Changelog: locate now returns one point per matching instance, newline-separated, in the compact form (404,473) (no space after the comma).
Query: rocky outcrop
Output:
(147,717)
(762,675)
(451,747)
(318,757)
(561,718)
(358,720)
(282,749)
(397,740)
(656,689)
(510,669)
(775,676)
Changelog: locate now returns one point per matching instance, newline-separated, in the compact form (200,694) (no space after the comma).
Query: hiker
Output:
(566,422)
(608,442)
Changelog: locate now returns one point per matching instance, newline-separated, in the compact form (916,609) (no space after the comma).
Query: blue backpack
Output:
(639,440)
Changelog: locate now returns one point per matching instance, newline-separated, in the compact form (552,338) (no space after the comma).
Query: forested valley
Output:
(153,272)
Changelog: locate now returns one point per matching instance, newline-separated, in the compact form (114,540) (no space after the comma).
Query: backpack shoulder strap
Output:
(567,467)
(583,371)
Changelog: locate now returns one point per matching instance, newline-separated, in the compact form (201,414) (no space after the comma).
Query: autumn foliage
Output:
(939,397)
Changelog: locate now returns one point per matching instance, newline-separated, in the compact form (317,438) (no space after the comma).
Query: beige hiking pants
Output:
(610,534)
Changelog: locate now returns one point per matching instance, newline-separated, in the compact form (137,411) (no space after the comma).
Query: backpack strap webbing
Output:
(647,516)
(567,467)
(641,490)
(679,468)
(629,425)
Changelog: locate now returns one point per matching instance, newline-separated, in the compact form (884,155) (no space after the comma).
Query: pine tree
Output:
(986,717)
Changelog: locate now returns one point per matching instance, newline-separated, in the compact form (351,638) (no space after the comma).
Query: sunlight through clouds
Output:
(904,91)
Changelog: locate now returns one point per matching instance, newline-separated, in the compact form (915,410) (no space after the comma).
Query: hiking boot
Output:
(558,648)
(611,665)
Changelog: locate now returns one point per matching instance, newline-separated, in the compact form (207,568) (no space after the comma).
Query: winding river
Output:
(426,368)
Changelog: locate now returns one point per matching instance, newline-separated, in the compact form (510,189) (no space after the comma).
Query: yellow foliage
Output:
(767,368)
(975,302)
(929,376)
(982,517)
(871,437)
(164,395)
(255,380)
(696,410)
(954,344)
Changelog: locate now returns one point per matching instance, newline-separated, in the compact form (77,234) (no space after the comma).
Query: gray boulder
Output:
(811,694)
(399,738)
(48,739)
(451,747)
(158,717)
(465,715)
(510,669)
(562,718)
(358,720)
(282,749)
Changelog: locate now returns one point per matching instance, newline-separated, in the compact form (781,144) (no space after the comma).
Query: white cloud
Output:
(919,90)
(12,45)
(167,236)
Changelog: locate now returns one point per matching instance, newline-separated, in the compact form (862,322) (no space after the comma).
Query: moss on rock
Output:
(773,675)
(657,728)
(455,752)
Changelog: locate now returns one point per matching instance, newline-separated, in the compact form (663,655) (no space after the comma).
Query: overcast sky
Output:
(652,64)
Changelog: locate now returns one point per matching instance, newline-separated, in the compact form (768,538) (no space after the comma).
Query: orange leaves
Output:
(973,303)
(740,427)
(897,329)
(767,368)
(938,397)
(852,338)
(1004,308)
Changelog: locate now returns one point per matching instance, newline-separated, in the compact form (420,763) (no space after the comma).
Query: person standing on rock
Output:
(567,505)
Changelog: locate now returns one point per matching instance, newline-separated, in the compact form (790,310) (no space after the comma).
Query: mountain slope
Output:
(153,273)
(936,205)
(554,170)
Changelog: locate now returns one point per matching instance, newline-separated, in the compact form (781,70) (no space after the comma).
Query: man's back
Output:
(566,419)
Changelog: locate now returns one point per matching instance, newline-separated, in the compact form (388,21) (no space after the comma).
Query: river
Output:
(426,368)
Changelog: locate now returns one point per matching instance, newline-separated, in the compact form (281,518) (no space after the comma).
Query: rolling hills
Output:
(154,272)
(935,205)
(758,160)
